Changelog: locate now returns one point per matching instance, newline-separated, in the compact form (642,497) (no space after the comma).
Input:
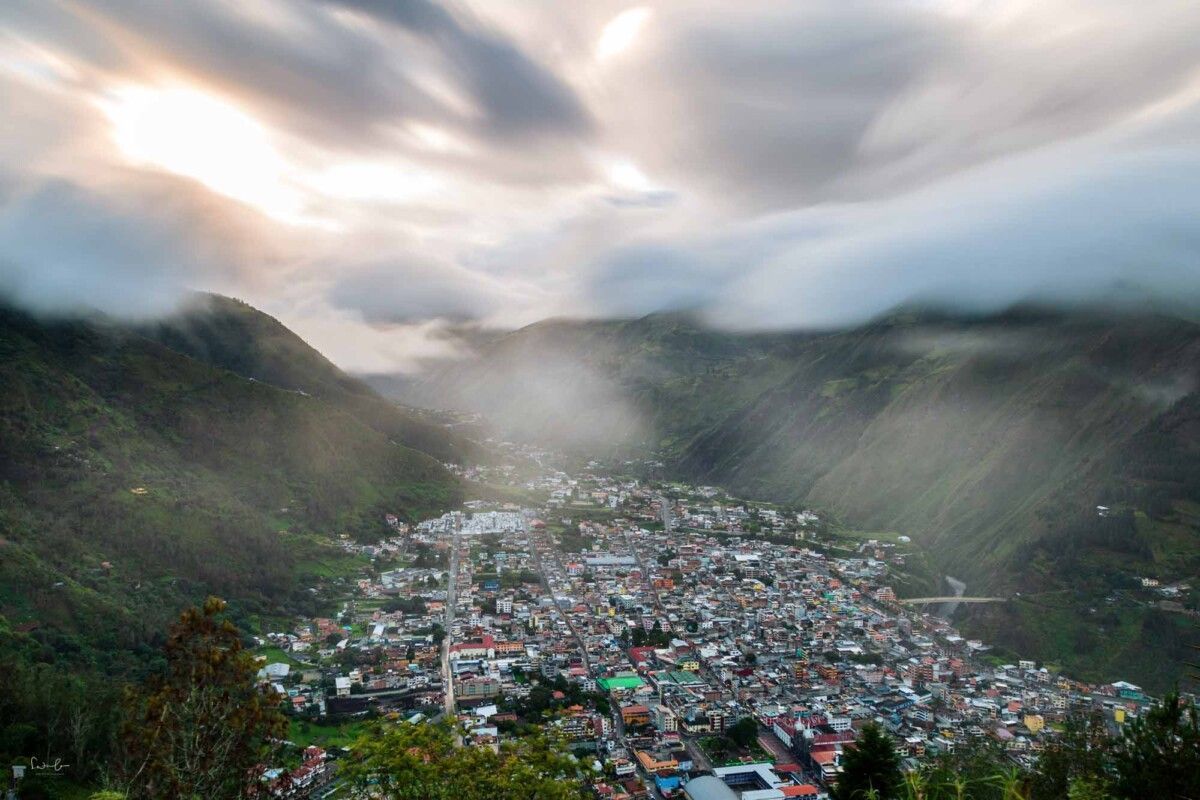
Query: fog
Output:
(372,172)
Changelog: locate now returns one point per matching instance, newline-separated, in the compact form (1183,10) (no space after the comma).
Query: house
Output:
(470,689)
(480,649)
(635,715)
(654,765)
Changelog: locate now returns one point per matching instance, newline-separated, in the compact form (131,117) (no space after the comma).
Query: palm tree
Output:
(1012,785)
(914,787)
(958,784)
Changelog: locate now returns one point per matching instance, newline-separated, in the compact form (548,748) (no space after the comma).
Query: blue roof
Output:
(667,782)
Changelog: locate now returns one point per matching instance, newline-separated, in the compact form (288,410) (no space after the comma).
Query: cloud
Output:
(1111,228)
(131,252)
(517,96)
(783,103)
(408,289)
(769,164)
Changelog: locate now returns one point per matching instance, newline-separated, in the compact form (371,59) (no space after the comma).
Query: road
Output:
(665,511)
(541,571)
(645,572)
(699,760)
(451,603)
(668,522)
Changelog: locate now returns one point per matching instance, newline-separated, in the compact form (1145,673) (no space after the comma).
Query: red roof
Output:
(807,790)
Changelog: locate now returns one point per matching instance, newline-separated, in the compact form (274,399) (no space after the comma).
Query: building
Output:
(477,688)
(654,765)
(635,715)
(708,787)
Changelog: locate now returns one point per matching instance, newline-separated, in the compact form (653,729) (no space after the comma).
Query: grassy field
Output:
(722,752)
(305,733)
(275,655)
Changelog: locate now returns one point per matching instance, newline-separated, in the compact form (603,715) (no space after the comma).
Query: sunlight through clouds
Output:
(198,136)
(621,32)
(507,162)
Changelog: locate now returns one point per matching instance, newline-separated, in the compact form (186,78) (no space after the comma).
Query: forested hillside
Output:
(137,479)
(991,441)
(237,337)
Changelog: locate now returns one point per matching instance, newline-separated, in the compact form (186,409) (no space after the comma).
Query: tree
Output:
(1159,755)
(200,729)
(743,732)
(639,636)
(870,768)
(1088,789)
(421,762)
(1078,754)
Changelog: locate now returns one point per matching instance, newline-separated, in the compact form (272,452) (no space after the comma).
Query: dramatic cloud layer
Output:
(367,170)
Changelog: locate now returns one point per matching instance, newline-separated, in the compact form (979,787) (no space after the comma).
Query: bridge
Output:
(920,601)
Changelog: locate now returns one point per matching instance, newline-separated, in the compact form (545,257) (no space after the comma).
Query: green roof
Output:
(683,677)
(619,682)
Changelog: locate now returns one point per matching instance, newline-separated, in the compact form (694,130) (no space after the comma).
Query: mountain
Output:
(236,337)
(145,467)
(603,385)
(990,440)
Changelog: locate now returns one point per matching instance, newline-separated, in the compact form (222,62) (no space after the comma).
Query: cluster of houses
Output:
(646,631)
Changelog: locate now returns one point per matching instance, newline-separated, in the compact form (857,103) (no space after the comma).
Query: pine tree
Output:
(870,769)
(1159,755)
(200,729)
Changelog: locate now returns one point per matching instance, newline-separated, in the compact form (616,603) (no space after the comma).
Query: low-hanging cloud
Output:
(1109,229)
(769,165)
(65,248)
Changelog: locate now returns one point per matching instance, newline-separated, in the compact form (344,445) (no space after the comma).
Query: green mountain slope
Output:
(990,441)
(629,384)
(136,478)
(232,335)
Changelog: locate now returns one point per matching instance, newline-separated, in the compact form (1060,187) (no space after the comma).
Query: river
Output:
(946,610)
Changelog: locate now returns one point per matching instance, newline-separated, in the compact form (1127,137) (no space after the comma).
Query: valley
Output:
(663,630)
(392,560)
(1038,452)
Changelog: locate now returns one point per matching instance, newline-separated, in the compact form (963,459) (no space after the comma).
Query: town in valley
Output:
(663,633)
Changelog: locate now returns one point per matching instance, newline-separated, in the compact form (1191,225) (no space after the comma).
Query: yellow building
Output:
(652,764)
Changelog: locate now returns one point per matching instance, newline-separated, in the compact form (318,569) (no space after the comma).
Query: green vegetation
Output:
(1156,755)
(303,733)
(990,441)
(138,479)
(421,762)
(199,729)
(275,655)
(192,729)
(722,750)
(870,768)
(237,337)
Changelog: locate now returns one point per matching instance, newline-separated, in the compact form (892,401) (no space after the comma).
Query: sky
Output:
(376,172)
